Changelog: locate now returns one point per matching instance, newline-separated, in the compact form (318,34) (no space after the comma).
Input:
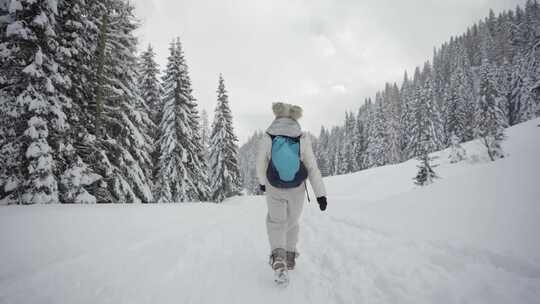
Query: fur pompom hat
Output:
(286,110)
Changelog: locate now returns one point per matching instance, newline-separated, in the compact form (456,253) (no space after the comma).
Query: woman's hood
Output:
(285,126)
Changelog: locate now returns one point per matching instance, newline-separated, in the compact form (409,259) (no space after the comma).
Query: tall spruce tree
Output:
(392,109)
(349,143)
(181,176)
(321,153)
(490,121)
(427,126)
(375,152)
(121,141)
(149,84)
(414,117)
(224,170)
(426,175)
(205,134)
(151,92)
(79,35)
(408,117)
(360,139)
(459,95)
(32,103)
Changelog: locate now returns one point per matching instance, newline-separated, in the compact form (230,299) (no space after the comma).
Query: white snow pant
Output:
(284,210)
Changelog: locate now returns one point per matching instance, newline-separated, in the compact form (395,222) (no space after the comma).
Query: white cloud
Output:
(339,88)
(324,46)
(309,52)
(309,89)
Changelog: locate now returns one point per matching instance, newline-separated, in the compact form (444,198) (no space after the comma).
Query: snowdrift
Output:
(486,204)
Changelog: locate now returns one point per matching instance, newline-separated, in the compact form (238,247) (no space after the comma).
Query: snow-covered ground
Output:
(472,237)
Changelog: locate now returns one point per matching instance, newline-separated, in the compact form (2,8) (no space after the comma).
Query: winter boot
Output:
(291,256)
(278,261)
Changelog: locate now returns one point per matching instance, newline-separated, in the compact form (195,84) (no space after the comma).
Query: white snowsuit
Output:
(285,205)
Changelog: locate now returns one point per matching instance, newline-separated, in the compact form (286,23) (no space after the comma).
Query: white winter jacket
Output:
(289,127)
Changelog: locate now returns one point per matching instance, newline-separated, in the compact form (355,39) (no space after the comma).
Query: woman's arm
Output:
(310,162)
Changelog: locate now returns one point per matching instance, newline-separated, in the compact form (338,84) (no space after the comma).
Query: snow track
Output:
(224,260)
(365,266)
(375,243)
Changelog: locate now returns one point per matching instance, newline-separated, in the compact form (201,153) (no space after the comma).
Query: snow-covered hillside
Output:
(471,237)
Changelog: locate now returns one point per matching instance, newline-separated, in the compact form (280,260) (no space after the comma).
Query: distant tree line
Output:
(476,84)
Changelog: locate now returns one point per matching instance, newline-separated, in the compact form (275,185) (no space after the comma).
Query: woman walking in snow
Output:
(284,161)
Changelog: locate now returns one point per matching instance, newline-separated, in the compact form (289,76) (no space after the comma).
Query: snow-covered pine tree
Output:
(408,117)
(392,107)
(326,156)
(414,117)
(205,134)
(375,152)
(149,85)
(460,94)
(431,112)
(534,71)
(529,91)
(342,157)
(534,55)
(4,17)
(32,103)
(427,128)
(334,147)
(349,144)
(426,175)
(321,152)
(122,143)
(181,176)
(151,92)
(503,83)
(519,100)
(78,43)
(360,139)
(490,122)
(199,167)
(246,156)
(224,170)
(75,181)
(525,40)
(5,125)
(457,153)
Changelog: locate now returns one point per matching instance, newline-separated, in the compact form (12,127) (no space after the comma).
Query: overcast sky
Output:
(325,55)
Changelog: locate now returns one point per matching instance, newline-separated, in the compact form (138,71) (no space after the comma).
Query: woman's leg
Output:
(276,220)
(294,209)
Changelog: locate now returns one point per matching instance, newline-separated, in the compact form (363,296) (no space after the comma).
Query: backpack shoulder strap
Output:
(271,136)
(295,139)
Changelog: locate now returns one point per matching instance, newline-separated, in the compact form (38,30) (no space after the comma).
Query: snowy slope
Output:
(469,238)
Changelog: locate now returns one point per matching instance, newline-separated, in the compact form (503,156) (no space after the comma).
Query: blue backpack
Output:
(285,169)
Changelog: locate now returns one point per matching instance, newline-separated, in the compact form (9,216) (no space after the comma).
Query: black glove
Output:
(262,188)
(322,202)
